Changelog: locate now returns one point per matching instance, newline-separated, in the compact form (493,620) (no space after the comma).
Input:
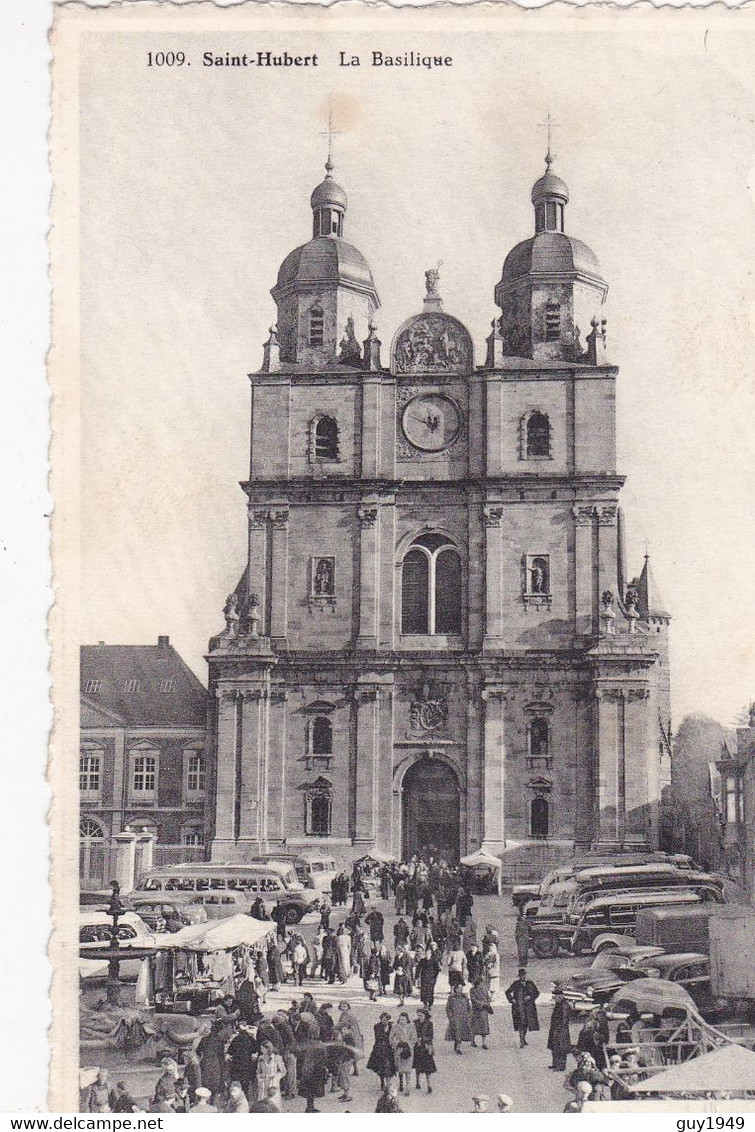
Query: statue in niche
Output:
(323,581)
(350,350)
(538,576)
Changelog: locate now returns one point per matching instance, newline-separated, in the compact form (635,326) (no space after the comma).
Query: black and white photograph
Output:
(403,473)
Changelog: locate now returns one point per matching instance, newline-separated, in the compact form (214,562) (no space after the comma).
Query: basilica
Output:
(434,642)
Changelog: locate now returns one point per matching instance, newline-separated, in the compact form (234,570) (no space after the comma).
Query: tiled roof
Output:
(144,685)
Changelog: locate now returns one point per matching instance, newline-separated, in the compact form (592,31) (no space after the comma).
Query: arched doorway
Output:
(430,810)
(91,854)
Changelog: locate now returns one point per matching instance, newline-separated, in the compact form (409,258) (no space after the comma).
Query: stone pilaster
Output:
(277,785)
(493,517)
(608,550)
(279,575)
(584,582)
(371,416)
(369,555)
(258,575)
(253,777)
(641,768)
(494,435)
(225,792)
(494,767)
(609,751)
(368,762)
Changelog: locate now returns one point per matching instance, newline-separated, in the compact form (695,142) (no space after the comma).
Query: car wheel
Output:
(545,946)
(292,915)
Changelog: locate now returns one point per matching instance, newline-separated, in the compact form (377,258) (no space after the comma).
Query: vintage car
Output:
(607,973)
(164,912)
(691,970)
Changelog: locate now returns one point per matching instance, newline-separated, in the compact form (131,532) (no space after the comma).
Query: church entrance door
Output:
(430,810)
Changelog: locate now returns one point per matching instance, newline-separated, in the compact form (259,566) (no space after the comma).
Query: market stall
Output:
(202,963)
(483,870)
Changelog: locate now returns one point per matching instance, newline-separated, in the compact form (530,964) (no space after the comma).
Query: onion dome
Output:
(325,263)
(329,192)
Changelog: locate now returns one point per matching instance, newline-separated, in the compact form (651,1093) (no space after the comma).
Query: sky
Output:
(194,186)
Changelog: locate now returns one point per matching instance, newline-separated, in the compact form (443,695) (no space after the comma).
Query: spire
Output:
(650,603)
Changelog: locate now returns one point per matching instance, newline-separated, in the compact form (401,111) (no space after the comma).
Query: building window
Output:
(538,745)
(131,686)
(92,686)
(552,321)
(318,807)
(733,798)
(192,835)
(166,686)
(195,774)
(316,326)
(322,736)
(537,436)
(326,439)
(539,823)
(145,774)
(90,829)
(89,773)
(431,587)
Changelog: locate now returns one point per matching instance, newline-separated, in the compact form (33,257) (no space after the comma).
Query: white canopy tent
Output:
(217,935)
(482,860)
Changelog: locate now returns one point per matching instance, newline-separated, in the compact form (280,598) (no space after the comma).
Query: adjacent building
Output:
(142,757)
(434,642)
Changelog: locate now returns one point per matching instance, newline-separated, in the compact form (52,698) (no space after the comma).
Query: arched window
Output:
(90,829)
(322,736)
(538,438)
(431,587)
(539,824)
(316,326)
(539,743)
(326,439)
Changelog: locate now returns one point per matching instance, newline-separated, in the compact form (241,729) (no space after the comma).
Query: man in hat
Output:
(559,1036)
(522,994)
(204,1096)
(522,937)
(243,1052)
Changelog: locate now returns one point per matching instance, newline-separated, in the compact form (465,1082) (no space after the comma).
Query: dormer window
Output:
(316,326)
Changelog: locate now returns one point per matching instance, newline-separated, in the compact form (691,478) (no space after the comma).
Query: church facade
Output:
(434,642)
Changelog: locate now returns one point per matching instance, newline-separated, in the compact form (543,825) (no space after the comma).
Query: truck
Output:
(732,969)
(676,928)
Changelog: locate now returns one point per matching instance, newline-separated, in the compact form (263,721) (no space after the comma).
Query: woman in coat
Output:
(459,1014)
(479,1000)
(522,994)
(371,974)
(423,1061)
(401,983)
(343,954)
(211,1051)
(428,969)
(559,1037)
(491,961)
(382,1059)
(402,1040)
(274,966)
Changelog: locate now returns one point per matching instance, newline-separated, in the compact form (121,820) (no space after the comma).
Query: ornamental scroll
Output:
(433,343)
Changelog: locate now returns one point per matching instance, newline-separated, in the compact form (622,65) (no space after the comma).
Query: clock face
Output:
(431,422)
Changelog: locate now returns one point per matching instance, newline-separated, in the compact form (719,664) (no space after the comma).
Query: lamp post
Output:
(115,910)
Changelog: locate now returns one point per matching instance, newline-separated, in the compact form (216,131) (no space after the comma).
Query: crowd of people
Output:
(252,1060)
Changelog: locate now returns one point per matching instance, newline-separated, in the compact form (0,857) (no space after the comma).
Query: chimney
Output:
(163,644)
(101,643)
